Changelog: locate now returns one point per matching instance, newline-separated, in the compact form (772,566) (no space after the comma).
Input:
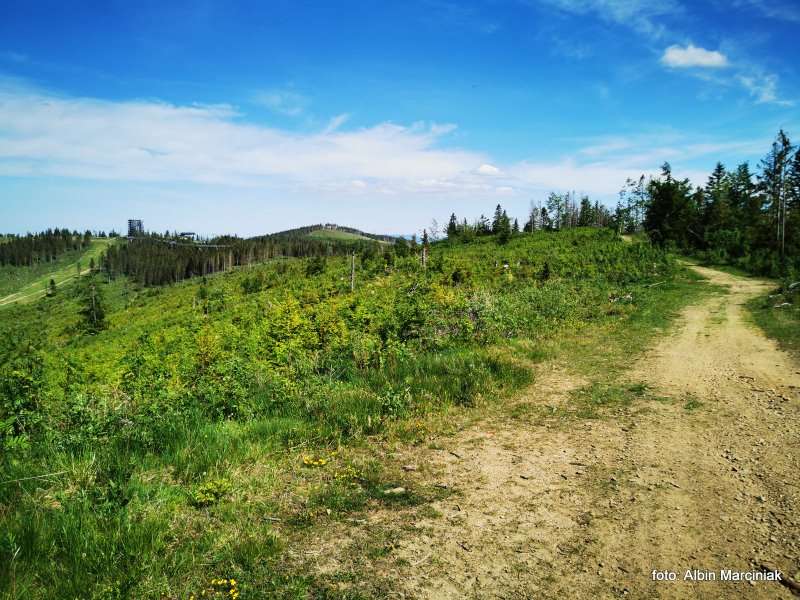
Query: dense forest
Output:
(745,219)
(33,248)
(751,220)
(561,211)
(158,260)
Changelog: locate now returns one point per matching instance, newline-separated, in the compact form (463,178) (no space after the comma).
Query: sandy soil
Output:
(706,480)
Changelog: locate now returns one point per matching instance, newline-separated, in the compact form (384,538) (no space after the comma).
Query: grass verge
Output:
(779,318)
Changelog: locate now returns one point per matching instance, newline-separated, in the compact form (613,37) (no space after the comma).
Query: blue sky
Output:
(252,117)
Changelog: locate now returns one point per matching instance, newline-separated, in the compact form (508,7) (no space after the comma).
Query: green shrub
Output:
(209,493)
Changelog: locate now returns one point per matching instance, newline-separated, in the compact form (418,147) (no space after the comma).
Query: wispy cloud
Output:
(336,122)
(648,18)
(284,102)
(639,15)
(46,135)
(773,9)
(601,167)
(720,72)
(693,56)
(763,88)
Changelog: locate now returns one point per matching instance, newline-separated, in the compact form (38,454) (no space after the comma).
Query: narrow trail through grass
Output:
(629,453)
(31,283)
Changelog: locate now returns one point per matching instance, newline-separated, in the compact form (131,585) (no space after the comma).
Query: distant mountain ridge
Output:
(332,230)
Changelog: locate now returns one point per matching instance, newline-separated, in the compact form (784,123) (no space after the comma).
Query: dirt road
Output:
(702,475)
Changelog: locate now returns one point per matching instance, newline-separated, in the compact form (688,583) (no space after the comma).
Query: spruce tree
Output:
(544,219)
(497,220)
(452,226)
(93,310)
(503,230)
(774,184)
(585,216)
(671,212)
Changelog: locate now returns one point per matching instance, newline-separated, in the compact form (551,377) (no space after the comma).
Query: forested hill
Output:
(331,231)
(159,260)
(33,248)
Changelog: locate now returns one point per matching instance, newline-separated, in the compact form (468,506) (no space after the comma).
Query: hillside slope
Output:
(334,233)
(685,461)
(214,424)
(26,284)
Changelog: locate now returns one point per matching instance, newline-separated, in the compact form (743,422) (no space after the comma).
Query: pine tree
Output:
(503,228)
(452,227)
(544,220)
(793,208)
(497,220)
(716,210)
(585,216)
(671,211)
(515,228)
(746,204)
(774,184)
(93,311)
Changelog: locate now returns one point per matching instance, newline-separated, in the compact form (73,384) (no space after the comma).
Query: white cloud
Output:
(602,165)
(693,56)
(284,102)
(486,169)
(707,65)
(46,135)
(336,122)
(764,88)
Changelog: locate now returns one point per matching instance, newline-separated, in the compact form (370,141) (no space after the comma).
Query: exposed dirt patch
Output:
(699,474)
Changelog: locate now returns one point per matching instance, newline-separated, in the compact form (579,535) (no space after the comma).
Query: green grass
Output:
(164,449)
(632,326)
(781,324)
(336,234)
(27,284)
(604,350)
(724,267)
(692,403)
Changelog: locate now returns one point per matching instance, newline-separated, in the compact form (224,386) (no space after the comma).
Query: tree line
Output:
(158,260)
(751,220)
(34,248)
(561,211)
